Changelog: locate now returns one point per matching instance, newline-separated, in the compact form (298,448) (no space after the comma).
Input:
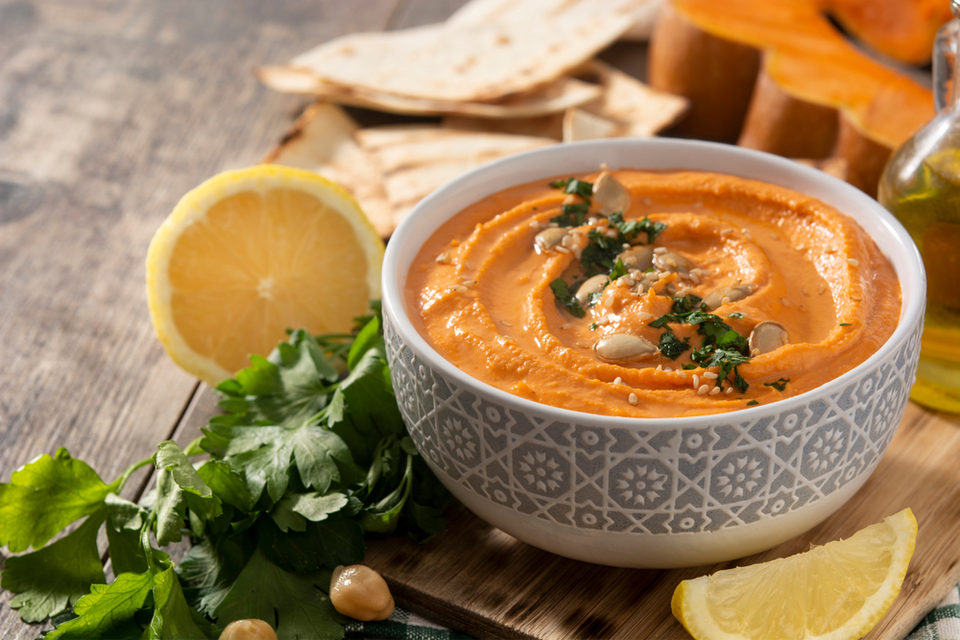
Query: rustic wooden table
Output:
(110,110)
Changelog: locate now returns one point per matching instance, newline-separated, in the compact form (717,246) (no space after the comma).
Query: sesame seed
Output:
(726,231)
(660,250)
(800,247)
(643,315)
(469,283)
(553,225)
(710,375)
(668,368)
(625,245)
(577,251)
(696,381)
(565,325)
(647,202)
(567,241)
(714,391)
(728,391)
(632,399)
(617,380)
(569,199)
(608,303)
(576,232)
(583,345)
(820,289)
(443,258)
(612,233)
(857,298)
(804,291)
(853,262)
(534,224)
(702,391)
(562,249)
(505,323)
(468,265)
(725,300)
(784,302)
(593,220)
(681,373)
(695,278)
(459,289)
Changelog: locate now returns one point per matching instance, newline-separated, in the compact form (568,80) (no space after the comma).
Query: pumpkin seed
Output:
(623,347)
(589,287)
(610,195)
(766,337)
(639,258)
(670,261)
(715,298)
(549,238)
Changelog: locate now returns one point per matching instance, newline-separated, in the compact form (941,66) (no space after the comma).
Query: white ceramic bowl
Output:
(716,487)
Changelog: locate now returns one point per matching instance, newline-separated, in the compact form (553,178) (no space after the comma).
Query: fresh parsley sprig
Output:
(566,299)
(309,457)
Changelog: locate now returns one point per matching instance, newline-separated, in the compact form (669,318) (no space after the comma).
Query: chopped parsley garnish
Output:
(651,228)
(779,385)
(736,315)
(600,254)
(567,299)
(619,270)
(630,229)
(846,324)
(576,187)
(721,346)
(752,402)
(672,347)
(572,215)
(593,326)
(686,366)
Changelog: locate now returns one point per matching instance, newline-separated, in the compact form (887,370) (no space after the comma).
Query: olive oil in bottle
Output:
(921,187)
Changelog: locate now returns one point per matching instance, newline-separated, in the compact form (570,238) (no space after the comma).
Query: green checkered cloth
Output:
(943,623)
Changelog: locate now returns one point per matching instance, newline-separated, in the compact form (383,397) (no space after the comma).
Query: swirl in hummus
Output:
(503,290)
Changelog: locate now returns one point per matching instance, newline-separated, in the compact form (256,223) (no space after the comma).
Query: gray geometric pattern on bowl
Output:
(657,481)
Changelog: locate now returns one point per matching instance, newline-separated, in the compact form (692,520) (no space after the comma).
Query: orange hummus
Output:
(484,293)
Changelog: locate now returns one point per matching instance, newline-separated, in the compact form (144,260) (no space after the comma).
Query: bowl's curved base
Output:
(654,551)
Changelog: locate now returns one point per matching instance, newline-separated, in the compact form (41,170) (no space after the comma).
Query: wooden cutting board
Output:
(483,582)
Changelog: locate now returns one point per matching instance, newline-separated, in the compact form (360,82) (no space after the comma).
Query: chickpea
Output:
(360,593)
(248,630)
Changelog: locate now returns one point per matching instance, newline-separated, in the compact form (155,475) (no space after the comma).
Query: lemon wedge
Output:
(834,592)
(251,253)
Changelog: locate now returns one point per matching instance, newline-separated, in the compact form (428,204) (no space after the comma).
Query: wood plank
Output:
(110,112)
(481,581)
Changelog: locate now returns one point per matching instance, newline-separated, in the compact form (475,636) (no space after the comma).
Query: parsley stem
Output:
(117,486)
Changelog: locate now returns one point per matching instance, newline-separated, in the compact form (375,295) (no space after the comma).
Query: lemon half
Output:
(251,253)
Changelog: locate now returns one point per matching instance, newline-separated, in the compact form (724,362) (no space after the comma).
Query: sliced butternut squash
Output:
(811,93)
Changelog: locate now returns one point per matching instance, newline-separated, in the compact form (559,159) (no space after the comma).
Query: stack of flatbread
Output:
(502,76)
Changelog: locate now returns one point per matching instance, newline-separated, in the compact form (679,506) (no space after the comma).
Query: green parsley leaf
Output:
(752,402)
(566,299)
(619,270)
(846,324)
(107,612)
(124,521)
(180,487)
(210,568)
(572,215)
(48,580)
(736,315)
(779,385)
(172,616)
(651,228)
(671,346)
(44,496)
(593,326)
(575,186)
(299,602)
(601,253)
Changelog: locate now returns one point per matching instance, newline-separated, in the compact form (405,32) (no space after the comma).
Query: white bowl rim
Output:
(912,278)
